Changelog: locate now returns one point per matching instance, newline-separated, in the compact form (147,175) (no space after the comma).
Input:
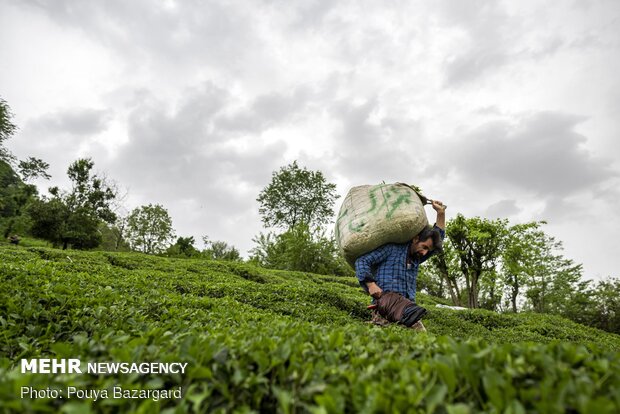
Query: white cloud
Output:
(497,108)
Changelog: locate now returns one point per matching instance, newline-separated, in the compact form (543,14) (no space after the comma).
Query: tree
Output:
(15,193)
(49,219)
(7,129)
(113,236)
(605,312)
(220,250)
(491,290)
(300,202)
(523,245)
(297,195)
(74,217)
(118,232)
(184,247)
(30,168)
(299,248)
(90,192)
(149,229)
(443,274)
(33,168)
(478,244)
(556,284)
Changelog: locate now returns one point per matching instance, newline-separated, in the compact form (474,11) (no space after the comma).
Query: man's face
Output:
(420,249)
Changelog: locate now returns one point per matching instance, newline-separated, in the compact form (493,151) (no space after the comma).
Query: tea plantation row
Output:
(257,340)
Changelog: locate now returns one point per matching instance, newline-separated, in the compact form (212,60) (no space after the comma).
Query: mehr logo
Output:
(51,366)
(73,365)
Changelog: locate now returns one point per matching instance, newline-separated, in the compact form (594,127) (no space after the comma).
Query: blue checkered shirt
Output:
(387,265)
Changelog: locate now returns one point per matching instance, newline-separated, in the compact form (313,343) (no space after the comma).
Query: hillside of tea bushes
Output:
(259,340)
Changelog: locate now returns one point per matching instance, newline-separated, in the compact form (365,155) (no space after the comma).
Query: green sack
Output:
(373,215)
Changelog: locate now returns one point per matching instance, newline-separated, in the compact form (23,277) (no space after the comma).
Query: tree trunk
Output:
(454,295)
(473,292)
(9,228)
(450,282)
(514,293)
(453,288)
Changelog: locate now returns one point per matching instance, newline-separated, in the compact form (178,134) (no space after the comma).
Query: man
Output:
(394,267)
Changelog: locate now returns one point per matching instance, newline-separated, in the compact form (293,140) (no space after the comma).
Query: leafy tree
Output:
(491,290)
(113,235)
(299,201)
(82,230)
(220,250)
(30,168)
(605,310)
(523,246)
(149,229)
(183,247)
(300,249)
(15,193)
(556,282)
(118,231)
(49,220)
(15,196)
(74,217)
(90,192)
(7,129)
(186,246)
(297,195)
(33,168)
(478,244)
(443,277)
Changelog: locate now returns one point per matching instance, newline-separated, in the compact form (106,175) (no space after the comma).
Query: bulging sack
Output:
(373,215)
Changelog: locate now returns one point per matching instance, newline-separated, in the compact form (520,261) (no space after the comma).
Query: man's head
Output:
(426,241)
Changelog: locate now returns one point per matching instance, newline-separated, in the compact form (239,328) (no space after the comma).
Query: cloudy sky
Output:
(500,109)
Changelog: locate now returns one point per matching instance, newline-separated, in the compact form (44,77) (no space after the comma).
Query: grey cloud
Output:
(371,151)
(502,209)
(558,209)
(188,128)
(473,64)
(275,106)
(485,48)
(183,156)
(357,131)
(494,39)
(57,137)
(241,122)
(74,122)
(266,111)
(541,154)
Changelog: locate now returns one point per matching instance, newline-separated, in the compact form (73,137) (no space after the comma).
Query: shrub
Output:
(279,341)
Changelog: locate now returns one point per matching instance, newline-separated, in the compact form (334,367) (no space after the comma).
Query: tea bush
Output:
(259,340)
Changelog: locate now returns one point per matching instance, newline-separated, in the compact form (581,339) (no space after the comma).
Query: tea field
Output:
(257,340)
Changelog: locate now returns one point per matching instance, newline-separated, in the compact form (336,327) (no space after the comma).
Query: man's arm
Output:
(363,272)
(440,223)
(441,214)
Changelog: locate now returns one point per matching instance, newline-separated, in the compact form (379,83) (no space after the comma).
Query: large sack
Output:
(373,215)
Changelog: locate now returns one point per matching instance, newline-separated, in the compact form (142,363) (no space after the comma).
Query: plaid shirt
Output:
(387,265)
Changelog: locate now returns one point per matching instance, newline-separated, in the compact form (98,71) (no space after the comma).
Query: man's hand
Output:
(374,290)
(438,206)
